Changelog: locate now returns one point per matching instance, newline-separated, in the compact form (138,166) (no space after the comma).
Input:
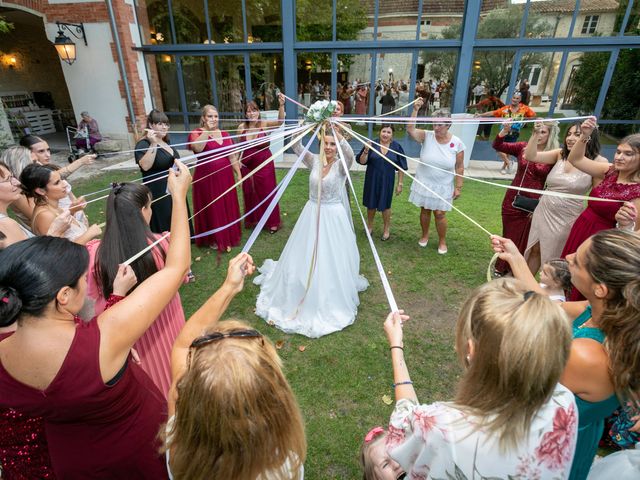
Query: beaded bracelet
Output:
(408,382)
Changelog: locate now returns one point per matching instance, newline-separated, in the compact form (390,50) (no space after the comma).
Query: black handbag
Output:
(526,204)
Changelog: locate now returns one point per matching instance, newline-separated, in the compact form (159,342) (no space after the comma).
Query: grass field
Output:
(340,379)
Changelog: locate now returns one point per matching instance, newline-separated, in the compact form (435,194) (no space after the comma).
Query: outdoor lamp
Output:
(65,47)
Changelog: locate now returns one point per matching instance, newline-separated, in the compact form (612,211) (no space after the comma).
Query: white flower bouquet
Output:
(320,110)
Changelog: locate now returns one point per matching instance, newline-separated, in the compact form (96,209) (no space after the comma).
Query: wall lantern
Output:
(64,45)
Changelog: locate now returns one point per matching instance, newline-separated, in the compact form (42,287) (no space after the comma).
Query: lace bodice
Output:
(333,182)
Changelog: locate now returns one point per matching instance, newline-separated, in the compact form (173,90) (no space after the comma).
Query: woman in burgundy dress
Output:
(213,176)
(620,181)
(263,182)
(101,412)
(516,223)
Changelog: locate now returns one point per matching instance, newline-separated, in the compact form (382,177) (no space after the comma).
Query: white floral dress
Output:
(438,441)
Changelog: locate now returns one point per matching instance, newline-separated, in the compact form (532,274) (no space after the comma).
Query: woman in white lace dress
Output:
(313,288)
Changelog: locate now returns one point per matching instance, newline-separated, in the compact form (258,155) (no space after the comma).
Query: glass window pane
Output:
(226,21)
(537,78)
(314,77)
(230,83)
(397,20)
(154,23)
(163,78)
(434,78)
(266,79)
(441,19)
(189,21)
(354,74)
(351,20)
(582,81)
(549,18)
(619,104)
(314,20)
(599,19)
(501,21)
(492,68)
(196,76)
(633,25)
(264,21)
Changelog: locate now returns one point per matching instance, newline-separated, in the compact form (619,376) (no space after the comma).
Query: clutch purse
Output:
(526,204)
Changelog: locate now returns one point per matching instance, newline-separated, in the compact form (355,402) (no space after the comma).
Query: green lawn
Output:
(340,379)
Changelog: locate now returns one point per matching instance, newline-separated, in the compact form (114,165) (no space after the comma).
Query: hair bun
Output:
(631,293)
(10,305)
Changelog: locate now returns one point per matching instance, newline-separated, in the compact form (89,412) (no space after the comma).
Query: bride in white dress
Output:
(313,288)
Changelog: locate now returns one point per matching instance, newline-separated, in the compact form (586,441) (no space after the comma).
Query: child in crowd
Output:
(555,279)
(374,459)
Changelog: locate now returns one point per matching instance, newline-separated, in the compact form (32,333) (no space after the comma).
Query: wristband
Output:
(396,346)
(408,382)
(631,227)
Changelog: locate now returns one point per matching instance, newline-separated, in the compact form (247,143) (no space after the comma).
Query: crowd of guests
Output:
(102,377)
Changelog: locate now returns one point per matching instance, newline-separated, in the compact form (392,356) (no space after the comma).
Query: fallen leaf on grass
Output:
(198,259)
(279,344)
(387,400)
(332,414)
(302,348)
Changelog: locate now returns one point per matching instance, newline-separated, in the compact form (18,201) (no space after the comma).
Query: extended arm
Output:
(123,324)
(308,156)
(401,380)
(73,167)
(510,254)
(416,133)
(206,317)
(281,113)
(531,153)
(198,140)
(596,169)
(507,147)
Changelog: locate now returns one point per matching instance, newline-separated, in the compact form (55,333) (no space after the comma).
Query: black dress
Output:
(380,177)
(161,210)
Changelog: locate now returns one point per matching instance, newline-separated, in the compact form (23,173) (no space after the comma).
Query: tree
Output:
(5,27)
(491,67)
(621,101)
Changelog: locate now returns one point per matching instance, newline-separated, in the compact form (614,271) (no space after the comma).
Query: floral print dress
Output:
(440,441)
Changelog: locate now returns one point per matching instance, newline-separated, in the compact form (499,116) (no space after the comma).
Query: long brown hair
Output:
(613,259)
(236,415)
(521,346)
(633,141)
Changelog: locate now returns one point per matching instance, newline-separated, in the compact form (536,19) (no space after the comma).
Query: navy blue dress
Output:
(380,177)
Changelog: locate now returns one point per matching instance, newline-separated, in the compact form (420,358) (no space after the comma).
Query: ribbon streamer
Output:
(383,276)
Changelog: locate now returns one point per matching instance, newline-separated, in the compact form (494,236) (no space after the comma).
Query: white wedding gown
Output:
(331,301)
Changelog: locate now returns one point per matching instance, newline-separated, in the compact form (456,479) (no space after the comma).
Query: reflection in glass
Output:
(549,18)
(189,21)
(397,20)
(619,104)
(154,23)
(434,79)
(492,68)
(314,20)
(226,21)
(230,83)
(354,75)
(501,21)
(266,79)
(537,77)
(163,79)
(633,25)
(582,80)
(197,82)
(600,19)
(441,19)
(314,77)
(263,21)
(393,78)
(351,20)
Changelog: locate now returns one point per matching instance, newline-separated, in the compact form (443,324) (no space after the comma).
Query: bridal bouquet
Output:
(320,110)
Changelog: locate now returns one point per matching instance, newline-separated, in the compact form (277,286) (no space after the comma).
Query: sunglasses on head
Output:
(215,336)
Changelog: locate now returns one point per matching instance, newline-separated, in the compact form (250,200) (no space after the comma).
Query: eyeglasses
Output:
(8,179)
(214,337)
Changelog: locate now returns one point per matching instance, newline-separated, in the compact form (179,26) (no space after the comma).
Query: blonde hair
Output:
(203,121)
(16,159)
(236,416)
(613,259)
(368,467)
(553,140)
(521,346)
